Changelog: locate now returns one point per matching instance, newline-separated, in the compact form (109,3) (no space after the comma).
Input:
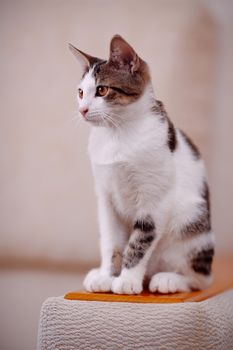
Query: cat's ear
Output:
(84,59)
(123,55)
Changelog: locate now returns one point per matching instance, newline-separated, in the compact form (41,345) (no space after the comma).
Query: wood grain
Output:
(223,280)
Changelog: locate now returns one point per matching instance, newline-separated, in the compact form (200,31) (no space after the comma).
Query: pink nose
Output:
(83,111)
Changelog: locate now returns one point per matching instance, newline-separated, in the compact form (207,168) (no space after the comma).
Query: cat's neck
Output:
(141,130)
(136,121)
(132,115)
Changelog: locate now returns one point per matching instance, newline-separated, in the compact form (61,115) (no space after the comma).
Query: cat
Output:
(150,182)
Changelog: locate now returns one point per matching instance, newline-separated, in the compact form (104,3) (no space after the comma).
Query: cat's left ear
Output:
(84,59)
(122,55)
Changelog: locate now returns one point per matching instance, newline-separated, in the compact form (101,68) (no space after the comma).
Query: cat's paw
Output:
(168,282)
(126,285)
(96,281)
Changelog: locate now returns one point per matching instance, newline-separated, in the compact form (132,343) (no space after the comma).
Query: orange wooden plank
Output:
(223,280)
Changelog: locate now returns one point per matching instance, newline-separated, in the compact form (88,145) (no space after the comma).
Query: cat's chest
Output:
(130,170)
(122,181)
(130,185)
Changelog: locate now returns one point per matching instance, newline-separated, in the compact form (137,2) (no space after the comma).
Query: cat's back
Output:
(188,163)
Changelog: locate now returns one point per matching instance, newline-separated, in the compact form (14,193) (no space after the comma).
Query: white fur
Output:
(95,105)
(135,175)
(168,282)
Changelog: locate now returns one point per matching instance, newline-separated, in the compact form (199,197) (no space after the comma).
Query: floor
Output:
(22,293)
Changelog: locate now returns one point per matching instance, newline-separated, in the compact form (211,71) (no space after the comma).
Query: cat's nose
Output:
(83,111)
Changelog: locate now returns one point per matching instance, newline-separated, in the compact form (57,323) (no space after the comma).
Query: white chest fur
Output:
(131,166)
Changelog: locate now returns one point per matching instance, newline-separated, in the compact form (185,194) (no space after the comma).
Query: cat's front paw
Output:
(96,281)
(126,285)
(168,282)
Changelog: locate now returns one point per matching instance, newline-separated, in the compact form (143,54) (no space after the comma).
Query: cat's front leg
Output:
(112,241)
(97,281)
(135,258)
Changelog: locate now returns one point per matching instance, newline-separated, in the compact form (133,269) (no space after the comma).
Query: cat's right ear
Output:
(123,55)
(84,59)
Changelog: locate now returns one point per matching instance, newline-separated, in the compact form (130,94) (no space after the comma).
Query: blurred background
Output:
(48,224)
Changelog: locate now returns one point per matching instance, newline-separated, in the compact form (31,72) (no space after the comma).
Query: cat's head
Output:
(109,87)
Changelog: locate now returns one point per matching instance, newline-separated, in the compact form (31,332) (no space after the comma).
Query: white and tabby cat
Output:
(153,198)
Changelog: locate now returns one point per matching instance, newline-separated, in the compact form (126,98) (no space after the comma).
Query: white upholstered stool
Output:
(117,324)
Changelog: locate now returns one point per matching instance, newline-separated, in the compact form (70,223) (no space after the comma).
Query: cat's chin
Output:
(95,122)
(92,120)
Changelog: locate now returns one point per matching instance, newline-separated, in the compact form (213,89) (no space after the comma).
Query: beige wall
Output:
(48,209)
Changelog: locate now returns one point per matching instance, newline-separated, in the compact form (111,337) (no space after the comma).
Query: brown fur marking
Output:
(201,262)
(203,223)
(138,245)
(125,87)
(116,263)
(192,146)
(158,109)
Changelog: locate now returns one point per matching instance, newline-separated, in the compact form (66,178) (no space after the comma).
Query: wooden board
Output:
(223,280)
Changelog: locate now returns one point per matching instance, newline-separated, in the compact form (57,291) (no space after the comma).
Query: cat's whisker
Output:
(113,114)
(115,118)
(76,119)
(112,117)
(116,122)
(98,114)
(113,122)
(109,113)
(104,110)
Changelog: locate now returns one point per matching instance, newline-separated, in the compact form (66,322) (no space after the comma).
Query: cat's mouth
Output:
(93,119)
(100,119)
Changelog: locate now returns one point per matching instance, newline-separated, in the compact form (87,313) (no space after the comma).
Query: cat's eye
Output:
(80,93)
(101,90)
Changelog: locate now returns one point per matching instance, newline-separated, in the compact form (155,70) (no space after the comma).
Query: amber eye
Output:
(80,93)
(101,90)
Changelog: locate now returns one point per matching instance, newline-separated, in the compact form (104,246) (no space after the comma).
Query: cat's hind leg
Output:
(169,282)
(195,274)
(172,282)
